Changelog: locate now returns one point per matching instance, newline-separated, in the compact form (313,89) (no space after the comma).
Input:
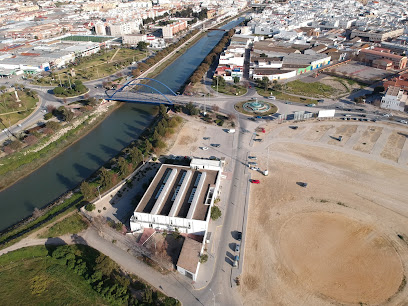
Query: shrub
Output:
(215,213)
(90,207)
(203,258)
(47,116)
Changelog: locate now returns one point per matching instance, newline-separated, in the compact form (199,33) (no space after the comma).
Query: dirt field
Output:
(341,240)
(340,257)
(368,139)
(394,146)
(344,130)
(290,132)
(317,132)
(189,138)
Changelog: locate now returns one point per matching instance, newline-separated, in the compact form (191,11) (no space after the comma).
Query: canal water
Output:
(84,157)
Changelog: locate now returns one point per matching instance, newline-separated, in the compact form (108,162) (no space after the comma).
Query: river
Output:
(81,159)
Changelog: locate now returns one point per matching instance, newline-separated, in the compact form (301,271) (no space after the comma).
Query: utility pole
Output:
(70,86)
(60,79)
(217,85)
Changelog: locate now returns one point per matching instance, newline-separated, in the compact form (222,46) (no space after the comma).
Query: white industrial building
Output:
(179,197)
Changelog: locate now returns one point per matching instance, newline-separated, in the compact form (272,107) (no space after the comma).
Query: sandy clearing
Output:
(317,132)
(342,185)
(340,258)
(189,139)
(395,143)
(368,139)
(290,132)
(345,131)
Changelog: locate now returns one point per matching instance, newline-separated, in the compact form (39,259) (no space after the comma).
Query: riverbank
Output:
(24,163)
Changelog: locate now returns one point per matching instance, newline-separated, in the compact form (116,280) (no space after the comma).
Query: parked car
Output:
(311,105)
(239,236)
(320,100)
(255,182)
(215,145)
(252,157)
(272,98)
(303,184)
(236,260)
(204,148)
(237,247)
(404,121)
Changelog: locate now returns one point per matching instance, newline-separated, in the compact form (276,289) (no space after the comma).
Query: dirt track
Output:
(347,249)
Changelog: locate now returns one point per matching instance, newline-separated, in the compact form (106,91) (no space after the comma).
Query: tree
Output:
(87,190)
(163,111)
(265,83)
(215,213)
(263,55)
(379,89)
(136,73)
(236,80)
(30,140)
(58,91)
(142,46)
(135,155)
(104,265)
(123,166)
(106,177)
(148,146)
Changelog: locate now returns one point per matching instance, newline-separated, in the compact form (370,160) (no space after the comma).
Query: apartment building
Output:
(171,29)
(376,36)
(383,59)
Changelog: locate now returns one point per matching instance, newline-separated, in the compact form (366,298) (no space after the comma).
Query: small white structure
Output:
(394,99)
(326,113)
(188,262)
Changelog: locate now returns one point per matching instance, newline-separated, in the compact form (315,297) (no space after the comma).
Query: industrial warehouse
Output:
(179,197)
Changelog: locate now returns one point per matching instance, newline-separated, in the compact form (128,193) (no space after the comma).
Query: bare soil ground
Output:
(368,139)
(341,240)
(346,131)
(189,138)
(317,132)
(395,143)
(290,132)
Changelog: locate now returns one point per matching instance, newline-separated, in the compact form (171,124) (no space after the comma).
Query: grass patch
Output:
(71,275)
(70,225)
(231,89)
(239,107)
(12,111)
(29,277)
(315,89)
(95,66)
(284,96)
(87,38)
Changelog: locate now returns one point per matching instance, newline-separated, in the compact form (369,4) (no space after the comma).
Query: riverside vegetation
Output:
(36,275)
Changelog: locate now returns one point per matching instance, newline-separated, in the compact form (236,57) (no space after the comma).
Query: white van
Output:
(231,131)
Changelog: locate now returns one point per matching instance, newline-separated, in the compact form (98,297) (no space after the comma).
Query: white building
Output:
(134,39)
(120,29)
(394,99)
(179,197)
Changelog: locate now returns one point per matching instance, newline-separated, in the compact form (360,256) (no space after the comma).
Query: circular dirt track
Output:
(340,258)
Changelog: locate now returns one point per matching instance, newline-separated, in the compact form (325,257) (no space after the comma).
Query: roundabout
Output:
(255,108)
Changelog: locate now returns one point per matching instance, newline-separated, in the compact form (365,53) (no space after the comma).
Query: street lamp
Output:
(99,192)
